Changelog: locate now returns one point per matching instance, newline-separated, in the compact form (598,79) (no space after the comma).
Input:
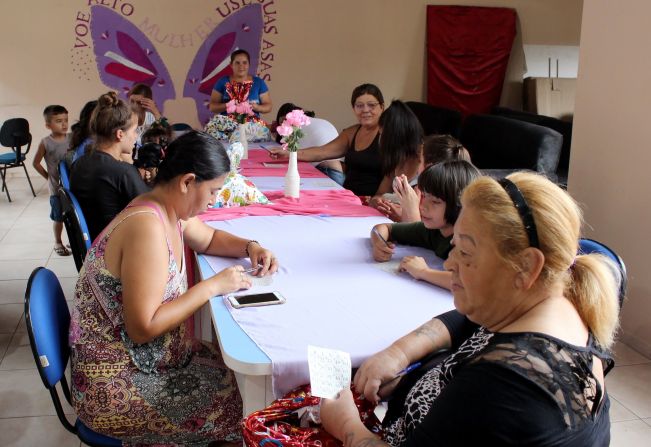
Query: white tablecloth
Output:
(337,296)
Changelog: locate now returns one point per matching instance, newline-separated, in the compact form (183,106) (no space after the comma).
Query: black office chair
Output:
(14,134)
(48,320)
(75,223)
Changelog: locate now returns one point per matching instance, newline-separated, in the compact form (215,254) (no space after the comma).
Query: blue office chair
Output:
(76,227)
(64,175)
(48,322)
(14,134)
(588,246)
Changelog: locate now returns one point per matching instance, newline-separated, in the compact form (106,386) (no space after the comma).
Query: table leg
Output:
(256,392)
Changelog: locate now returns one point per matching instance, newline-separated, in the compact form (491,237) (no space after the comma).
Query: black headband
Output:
(523,209)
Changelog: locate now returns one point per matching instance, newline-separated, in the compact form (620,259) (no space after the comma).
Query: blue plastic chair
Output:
(76,227)
(588,246)
(64,174)
(48,322)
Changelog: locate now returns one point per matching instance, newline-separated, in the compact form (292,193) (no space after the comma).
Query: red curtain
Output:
(468,50)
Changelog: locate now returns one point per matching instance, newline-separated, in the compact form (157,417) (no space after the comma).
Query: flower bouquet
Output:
(240,111)
(291,131)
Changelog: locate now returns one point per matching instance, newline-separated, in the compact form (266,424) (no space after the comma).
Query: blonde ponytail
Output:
(594,290)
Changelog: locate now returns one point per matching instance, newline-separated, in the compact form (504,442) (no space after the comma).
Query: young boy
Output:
(53,148)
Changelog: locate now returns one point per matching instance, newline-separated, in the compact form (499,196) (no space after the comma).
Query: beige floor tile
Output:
(63,266)
(44,431)
(619,412)
(12,291)
(19,354)
(10,251)
(630,434)
(630,386)
(26,235)
(624,355)
(5,339)
(22,394)
(10,315)
(19,269)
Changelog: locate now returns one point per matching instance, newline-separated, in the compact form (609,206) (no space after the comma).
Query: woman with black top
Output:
(359,144)
(101,181)
(528,342)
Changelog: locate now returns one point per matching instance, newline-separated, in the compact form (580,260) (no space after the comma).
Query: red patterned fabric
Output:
(468,49)
(278,424)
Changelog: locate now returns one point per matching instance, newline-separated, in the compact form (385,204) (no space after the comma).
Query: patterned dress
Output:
(172,390)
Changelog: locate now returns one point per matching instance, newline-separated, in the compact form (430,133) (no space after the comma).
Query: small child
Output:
(53,148)
(441,186)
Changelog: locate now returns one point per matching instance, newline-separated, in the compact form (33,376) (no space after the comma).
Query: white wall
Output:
(611,150)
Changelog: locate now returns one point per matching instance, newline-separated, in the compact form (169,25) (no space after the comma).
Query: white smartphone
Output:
(256,299)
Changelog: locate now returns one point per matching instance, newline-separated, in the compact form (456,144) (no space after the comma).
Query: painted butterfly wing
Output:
(125,56)
(241,30)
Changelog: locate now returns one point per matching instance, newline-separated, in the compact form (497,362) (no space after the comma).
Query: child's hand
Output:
(409,199)
(382,251)
(414,265)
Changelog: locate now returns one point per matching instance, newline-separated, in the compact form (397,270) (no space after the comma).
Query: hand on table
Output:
(390,209)
(382,251)
(414,265)
(230,280)
(377,370)
(278,154)
(262,257)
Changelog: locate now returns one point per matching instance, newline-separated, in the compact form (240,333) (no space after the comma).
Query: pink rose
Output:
(231,106)
(244,108)
(284,129)
(297,118)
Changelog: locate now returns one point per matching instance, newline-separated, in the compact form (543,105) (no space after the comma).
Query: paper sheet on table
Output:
(400,251)
(330,371)
(274,165)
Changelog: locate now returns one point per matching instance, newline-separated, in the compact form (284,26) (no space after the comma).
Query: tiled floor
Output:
(27,417)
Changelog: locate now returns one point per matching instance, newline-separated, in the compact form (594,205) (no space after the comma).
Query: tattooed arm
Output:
(382,367)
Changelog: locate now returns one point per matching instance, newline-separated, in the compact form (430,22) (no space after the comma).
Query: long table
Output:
(337,296)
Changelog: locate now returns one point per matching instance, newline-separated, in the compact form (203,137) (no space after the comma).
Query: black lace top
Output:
(508,389)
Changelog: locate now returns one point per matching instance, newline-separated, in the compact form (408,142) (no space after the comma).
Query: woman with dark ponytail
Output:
(529,341)
(128,334)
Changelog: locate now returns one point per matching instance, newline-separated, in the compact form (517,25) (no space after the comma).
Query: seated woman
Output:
(441,186)
(436,148)
(239,87)
(358,144)
(318,133)
(81,140)
(101,181)
(532,372)
(137,375)
(401,151)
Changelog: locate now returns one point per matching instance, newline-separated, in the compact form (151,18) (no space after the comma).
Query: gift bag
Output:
(287,422)
(238,190)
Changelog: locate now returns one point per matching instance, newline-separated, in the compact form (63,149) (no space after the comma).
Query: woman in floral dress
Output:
(137,375)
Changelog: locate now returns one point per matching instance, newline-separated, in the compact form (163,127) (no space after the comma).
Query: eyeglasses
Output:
(368,105)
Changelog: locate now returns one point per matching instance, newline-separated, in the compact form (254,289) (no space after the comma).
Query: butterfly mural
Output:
(125,55)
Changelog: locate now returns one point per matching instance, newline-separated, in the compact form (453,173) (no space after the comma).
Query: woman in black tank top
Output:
(359,144)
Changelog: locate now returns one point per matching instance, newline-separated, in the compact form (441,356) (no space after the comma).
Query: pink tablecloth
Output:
(254,166)
(337,203)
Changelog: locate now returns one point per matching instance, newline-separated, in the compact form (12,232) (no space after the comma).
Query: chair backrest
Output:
(495,142)
(588,246)
(14,133)
(76,227)
(64,174)
(436,120)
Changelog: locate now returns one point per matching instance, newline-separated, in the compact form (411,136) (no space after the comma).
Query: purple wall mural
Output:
(125,53)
